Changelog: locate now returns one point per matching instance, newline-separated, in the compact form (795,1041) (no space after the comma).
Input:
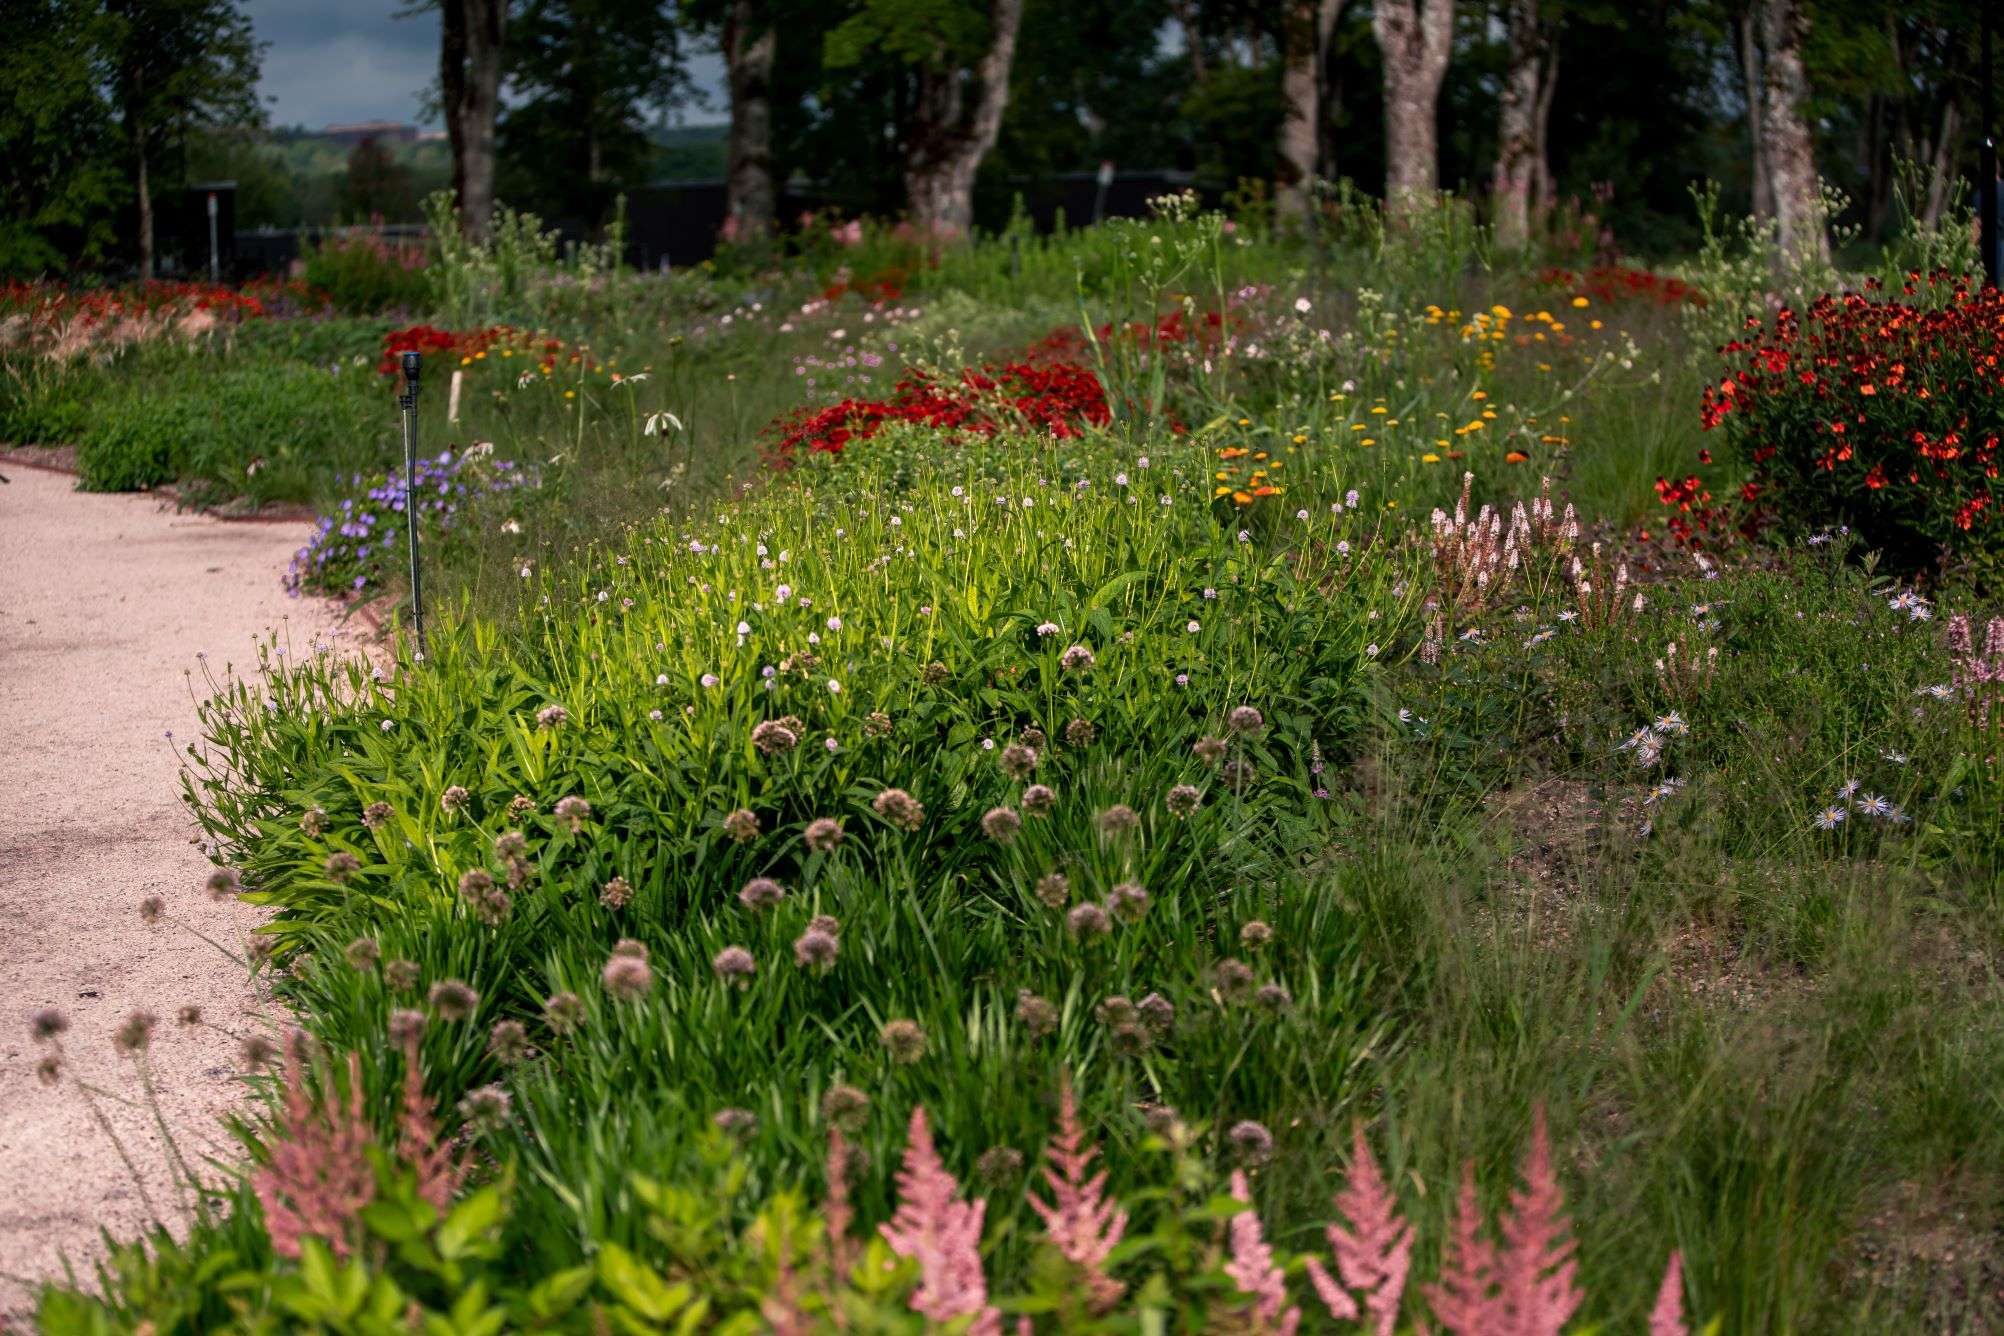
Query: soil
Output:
(107,605)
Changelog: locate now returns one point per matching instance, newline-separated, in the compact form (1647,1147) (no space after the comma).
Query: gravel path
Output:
(105,602)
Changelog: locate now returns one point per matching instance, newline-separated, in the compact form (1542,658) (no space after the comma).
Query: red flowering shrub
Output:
(1876,413)
(474,344)
(1612,284)
(1061,398)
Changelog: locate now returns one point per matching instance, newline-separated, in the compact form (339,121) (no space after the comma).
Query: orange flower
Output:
(1867,389)
(1515,457)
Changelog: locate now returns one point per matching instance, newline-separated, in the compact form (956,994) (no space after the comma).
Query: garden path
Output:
(105,603)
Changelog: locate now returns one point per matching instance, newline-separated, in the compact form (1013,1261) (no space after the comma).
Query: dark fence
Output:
(678,223)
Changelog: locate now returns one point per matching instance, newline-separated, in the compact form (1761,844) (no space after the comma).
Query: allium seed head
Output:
(1076,659)
(401,975)
(48,1023)
(815,950)
(1088,920)
(454,798)
(49,1069)
(151,908)
(376,815)
(256,1052)
(999,1165)
(1001,824)
(311,823)
(1209,750)
(363,953)
(734,965)
(1157,1011)
(1251,1140)
(739,1123)
(761,893)
(1118,819)
(627,946)
(1255,934)
(1232,977)
(877,724)
(904,1040)
(1246,719)
(1129,900)
(135,1032)
(823,835)
(552,716)
(825,923)
(510,845)
(1238,774)
(486,1109)
(616,894)
(1031,737)
(563,1012)
(223,882)
(845,1106)
(1274,997)
(406,1024)
(1018,760)
(773,737)
(521,805)
(1080,733)
(1037,1014)
(1054,889)
(933,673)
(1183,800)
(342,865)
(453,1000)
(1039,799)
(742,825)
(573,812)
(508,1041)
(627,977)
(1116,1010)
(899,808)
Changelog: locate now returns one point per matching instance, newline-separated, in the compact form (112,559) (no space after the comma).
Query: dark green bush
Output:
(363,275)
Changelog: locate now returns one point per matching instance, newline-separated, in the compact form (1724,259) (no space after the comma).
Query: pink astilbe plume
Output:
(1253,1270)
(1464,1298)
(1081,1221)
(836,1214)
(317,1177)
(935,1228)
(1537,1271)
(1667,1317)
(439,1172)
(1374,1255)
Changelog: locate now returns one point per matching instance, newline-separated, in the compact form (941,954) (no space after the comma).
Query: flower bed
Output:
(1060,398)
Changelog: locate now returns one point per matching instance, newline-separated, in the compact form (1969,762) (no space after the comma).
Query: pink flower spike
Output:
(935,1228)
(1667,1318)
(1253,1270)
(1464,1299)
(1374,1255)
(1081,1221)
(1538,1272)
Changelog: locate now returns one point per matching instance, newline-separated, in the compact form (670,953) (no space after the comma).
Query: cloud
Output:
(344,60)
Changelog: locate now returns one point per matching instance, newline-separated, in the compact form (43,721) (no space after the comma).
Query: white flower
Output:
(655,715)
(834,686)
(834,623)
(389,724)
(988,744)
(1193,626)
(1371,650)
(1047,628)
(832,745)
(783,593)
(1302,305)
(661,679)
(744,628)
(710,679)
(1142,462)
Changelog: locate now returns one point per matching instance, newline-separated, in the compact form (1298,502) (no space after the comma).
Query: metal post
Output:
(215,255)
(1986,188)
(408,402)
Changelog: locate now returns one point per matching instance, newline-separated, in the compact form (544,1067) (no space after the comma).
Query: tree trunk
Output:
(469,78)
(1941,165)
(1750,66)
(947,140)
(1186,18)
(1299,116)
(1522,176)
(749,51)
(1791,158)
(1415,37)
(1328,88)
(142,189)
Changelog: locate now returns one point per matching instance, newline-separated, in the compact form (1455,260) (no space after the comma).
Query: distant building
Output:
(388,132)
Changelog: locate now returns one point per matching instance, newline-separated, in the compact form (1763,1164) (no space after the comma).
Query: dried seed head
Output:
(151,908)
(1183,799)
(573,812)
(1129,900)
(401,975)
(1054,889)
(1161,1119)
(904,1040)
(825,923)
(1130,1039)
(363,953)
(899,808)
(486,1109)
(376,815)
(563,1012)
(342,865)
(1232,977)
(1255,934)
(761,893)
(1076,659)
(1080,733)
(627,977)
(1274,997)
(1039,799)
(1209,750)
(846,1107)
(508,1041)
(1118,819)
(1245,719)
(189,1016)
(312,822)
(773,737)
(223,882)
(135,1032)
(406,1024)
(1088,920)
(454,798)
(552,716)
(999,1165)
(1251,1140)
(739,1123)
(877,724)
(453,1000)
(933,673)
(1032,737)
(510,845)
(815,950)
(823,835)
(1238,774)
(521,805)
(616,893)
(1037,1014)
(1001,824)
(734,965)
(47,1024)
(256,1052)
(742,826)
(1157,1011)
(627,946)
(1018,760)
(1116,1010)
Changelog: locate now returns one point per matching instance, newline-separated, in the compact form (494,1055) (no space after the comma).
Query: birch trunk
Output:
(949,139)
(1299,118)
(1415,37)
(1791,158)
(749,51)
(470,37)
(1524,109)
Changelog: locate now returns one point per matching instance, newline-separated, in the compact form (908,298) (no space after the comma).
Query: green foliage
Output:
(363,274)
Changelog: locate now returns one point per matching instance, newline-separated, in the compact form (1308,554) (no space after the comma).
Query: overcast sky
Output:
(329,61)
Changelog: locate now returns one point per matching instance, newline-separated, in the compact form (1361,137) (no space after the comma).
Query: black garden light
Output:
(408,400)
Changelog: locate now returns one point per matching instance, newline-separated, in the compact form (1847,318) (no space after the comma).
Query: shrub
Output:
(364,274)
(1873,412)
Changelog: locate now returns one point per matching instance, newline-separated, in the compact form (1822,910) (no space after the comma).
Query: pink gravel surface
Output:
(105,604)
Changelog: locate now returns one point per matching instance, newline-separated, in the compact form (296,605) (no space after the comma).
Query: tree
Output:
(177,66)
(751,42)
(1306,29)
(1523,177)
(1785,148)
(959,58)
(587,73)
(377,185)
(59,136)
(1414,37)
(471,33)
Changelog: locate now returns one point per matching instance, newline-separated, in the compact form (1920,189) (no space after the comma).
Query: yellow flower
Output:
(1245,422)
(1367,441)
(1380,408)
(1500,311)
(1300,439)
(1593,324)
(1479,395)
(570,394)
(1430,457)
(1581,301)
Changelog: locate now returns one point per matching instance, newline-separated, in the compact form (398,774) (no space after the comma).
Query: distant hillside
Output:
(691,152)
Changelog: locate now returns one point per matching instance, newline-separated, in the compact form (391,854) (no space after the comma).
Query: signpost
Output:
(408,402)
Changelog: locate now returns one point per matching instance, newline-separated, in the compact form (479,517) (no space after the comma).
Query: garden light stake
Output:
(408,402)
